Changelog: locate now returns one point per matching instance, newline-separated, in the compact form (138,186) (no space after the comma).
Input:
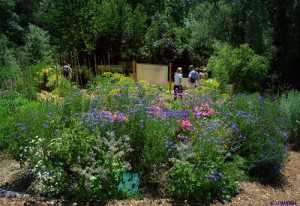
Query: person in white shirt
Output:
(177,82)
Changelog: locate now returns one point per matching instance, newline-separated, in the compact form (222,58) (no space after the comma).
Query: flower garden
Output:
(81,143)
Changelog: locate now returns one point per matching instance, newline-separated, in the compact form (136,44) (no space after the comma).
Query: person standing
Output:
(177,82)
(66,70)
(201,74)
(193,77)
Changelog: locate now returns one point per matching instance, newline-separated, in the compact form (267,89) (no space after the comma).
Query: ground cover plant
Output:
(198,146)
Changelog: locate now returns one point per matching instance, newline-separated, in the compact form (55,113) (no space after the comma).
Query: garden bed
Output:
(204,146)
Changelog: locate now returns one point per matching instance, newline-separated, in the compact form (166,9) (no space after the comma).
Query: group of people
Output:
(193,80)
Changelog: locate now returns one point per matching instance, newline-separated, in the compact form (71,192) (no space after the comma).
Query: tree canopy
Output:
(178,31)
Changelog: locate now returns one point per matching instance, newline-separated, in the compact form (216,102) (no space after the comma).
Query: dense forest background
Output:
(180,32)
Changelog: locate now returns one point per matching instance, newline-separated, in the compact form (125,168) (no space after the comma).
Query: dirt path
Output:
(253,193)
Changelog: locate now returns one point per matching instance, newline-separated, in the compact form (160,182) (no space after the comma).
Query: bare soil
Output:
(286,188)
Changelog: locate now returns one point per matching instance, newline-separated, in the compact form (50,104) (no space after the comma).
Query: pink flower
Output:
(186,125)
(204,110)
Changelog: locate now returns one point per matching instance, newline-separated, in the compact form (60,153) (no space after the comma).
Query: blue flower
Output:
(211,176)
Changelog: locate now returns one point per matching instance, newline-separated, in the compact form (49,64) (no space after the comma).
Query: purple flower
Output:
(156,172)
(154,165)
(24,127)
(165,179)
(42,169)
(31,173)
(46,126)
(211,176)
(163,165)
(19,124)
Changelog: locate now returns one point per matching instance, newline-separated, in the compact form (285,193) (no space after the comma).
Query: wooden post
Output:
(102,73)
(109,61)
(71,62)
(79,67)
(74,54)
(95,65)
(89,63)
(28,70)
(56,68)
(134,75)
(170,70)
(23,72)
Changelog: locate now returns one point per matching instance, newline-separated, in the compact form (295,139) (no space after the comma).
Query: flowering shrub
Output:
(46,79)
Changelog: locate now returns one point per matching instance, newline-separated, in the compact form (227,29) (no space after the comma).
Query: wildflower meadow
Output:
(78,144)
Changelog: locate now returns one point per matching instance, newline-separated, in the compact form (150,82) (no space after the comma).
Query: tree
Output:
(10,22)
(134,34)
(110,26)
(37,44)
(241,66)
(9,67)
(162,42)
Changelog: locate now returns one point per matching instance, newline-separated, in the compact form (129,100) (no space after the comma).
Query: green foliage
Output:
(241,66)
(134,33)
(37,45)
(9,67)
(289,104)
(162,41)
(10,21)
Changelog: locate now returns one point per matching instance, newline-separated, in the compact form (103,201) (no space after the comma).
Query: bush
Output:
(257,134)
(37,45)
(9,67)
(290,104)
(240,66)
